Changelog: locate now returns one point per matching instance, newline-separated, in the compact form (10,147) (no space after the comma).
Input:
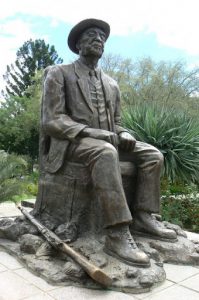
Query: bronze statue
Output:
(81,124)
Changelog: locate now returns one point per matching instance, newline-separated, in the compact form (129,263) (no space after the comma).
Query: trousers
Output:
(102,159)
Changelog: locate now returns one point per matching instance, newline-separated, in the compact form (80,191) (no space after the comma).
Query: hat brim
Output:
(78,29)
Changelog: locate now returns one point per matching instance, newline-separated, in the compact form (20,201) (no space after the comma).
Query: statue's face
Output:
(91,42)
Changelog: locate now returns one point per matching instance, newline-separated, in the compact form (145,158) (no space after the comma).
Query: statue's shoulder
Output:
(58,69)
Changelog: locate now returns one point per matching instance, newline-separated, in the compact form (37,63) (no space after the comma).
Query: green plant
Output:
(174,133)
(32,189)
(12,167)
(169,188)
(182,210)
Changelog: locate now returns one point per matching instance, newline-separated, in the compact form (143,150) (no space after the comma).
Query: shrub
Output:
(174,133)
(32,189)
(182,210)
(12,167)
(169,188)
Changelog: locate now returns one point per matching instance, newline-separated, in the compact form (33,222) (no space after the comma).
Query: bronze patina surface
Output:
(99,188)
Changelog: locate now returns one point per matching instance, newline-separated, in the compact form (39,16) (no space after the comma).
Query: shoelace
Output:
(130,240)
(132,243)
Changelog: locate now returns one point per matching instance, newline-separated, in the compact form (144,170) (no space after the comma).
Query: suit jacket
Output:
(67,110)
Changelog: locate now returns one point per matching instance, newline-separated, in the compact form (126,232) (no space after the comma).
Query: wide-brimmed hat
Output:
(78,29)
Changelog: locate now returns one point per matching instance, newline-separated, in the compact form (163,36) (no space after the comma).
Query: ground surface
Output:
(16,283)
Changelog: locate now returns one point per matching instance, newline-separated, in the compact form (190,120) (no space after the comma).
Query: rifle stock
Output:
(93,271)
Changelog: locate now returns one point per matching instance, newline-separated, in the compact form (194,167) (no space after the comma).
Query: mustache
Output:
(96,43)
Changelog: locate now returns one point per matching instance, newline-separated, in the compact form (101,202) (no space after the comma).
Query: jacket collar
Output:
(82,72)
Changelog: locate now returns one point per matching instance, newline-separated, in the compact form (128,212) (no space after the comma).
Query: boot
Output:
(144,224)
(120,244)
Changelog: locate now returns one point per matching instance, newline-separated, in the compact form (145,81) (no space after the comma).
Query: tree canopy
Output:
(31,57)
(168,83)
(19,121)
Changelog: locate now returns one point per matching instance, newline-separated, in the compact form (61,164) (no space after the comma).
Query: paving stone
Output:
(13,287)
(2,268)
(40,296)
(8,209)
(177,273)
(192,283)
(74,293)
(175,292)
(163,286)
(9,261)
(37,281)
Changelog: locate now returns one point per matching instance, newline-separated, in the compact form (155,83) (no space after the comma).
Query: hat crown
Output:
(79,28)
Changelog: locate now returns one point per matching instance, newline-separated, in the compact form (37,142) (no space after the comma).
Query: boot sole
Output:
(127,262)
(153,237)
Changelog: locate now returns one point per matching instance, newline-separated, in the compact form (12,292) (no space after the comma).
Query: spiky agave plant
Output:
(174,133)
(11,168)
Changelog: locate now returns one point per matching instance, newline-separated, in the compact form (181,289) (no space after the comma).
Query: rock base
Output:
(22,240)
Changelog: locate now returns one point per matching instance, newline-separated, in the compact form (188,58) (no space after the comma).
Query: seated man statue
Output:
(81,117)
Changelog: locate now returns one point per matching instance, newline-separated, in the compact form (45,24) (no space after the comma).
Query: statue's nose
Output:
(98,37)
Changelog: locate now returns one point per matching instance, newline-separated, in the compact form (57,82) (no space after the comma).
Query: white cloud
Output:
(174,22)
(12,35)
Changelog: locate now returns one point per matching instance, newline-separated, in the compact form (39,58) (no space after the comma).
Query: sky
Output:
(162,29)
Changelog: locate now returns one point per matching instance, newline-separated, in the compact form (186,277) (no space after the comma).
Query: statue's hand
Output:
(101,134)
(126,141)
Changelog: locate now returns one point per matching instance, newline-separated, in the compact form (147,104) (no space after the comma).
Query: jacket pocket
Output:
(56,155)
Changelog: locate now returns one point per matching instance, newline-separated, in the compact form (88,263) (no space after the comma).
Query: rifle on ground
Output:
(94,272)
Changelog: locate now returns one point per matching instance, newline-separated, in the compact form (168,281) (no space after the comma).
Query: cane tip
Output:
(102,278)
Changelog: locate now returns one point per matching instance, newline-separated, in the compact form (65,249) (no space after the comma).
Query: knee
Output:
(109,151)
(159,157)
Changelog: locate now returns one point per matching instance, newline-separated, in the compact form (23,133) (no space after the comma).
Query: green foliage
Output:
(31,186)
(19,122)
(177,188)
(144,80)
(182,210)
(31,189)
(31,57)
(12,167)
(175,134)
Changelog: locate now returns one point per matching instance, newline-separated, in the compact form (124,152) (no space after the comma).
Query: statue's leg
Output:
(149,161)
(102,160)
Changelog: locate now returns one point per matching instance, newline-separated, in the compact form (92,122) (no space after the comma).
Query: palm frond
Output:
(174,133)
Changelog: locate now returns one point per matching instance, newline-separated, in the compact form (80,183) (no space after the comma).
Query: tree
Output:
(19,122)
(168,83)
(32,56)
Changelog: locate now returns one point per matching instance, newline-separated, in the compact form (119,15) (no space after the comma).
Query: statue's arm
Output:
(55,120)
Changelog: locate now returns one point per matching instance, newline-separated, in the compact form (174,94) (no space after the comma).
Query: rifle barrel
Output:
(94,272)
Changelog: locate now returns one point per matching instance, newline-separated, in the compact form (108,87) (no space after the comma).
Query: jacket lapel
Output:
(83,85)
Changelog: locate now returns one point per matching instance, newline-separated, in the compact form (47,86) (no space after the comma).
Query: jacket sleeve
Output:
(117,113)
(55,120)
